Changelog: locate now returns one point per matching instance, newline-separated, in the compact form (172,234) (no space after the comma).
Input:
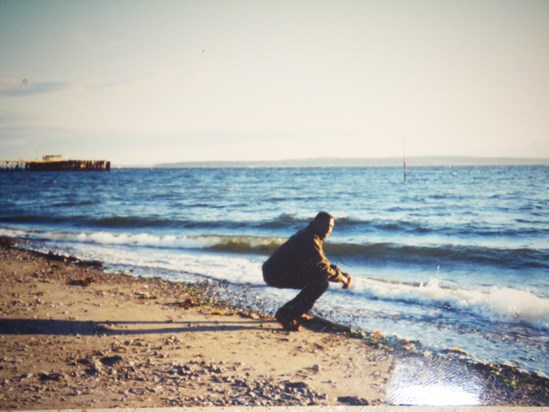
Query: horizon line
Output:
(389,161)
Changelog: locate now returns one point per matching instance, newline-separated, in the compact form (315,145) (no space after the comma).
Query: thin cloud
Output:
(16,142)
(26,87)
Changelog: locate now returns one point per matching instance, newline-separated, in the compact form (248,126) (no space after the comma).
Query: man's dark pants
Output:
(312,286)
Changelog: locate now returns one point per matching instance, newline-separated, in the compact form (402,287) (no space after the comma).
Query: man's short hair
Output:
(322,217)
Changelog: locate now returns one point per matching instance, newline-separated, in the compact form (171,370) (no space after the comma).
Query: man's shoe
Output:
(293,326)
(289,324)
(306,317)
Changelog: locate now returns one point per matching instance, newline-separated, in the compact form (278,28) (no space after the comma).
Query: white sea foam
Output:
(496,304)
(238,244)
(120,239)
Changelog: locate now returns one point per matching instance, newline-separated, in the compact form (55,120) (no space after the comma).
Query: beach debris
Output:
(267,392)
(7,242)
(249,315)
(111,360)
(86,281)
(188,303)
(352,400)
(25,376)
(54,376)
(219,312)
(145,296)
(94,369)
(93,365)
(359,334)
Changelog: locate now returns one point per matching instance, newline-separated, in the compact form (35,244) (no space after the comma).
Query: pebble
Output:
(26,375)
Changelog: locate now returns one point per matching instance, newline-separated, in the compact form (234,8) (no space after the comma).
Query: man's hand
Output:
(348,282)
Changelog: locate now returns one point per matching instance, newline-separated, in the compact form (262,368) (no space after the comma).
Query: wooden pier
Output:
(54,163)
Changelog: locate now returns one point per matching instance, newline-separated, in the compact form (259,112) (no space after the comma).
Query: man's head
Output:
(323,224)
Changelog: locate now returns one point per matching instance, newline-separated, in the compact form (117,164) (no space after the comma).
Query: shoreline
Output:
(74,336)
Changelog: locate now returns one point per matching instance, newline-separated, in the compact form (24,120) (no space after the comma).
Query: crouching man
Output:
(300,263)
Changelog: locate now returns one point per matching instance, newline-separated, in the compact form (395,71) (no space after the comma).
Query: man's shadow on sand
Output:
(93,328)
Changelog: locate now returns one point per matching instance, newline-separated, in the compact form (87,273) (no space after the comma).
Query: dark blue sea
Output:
(451,258)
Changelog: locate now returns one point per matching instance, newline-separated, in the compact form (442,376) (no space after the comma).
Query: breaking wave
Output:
(371,253)
(497,304)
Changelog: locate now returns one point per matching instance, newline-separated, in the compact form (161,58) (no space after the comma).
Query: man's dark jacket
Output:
(299,260)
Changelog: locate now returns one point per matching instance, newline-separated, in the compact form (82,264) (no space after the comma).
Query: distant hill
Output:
(364,162)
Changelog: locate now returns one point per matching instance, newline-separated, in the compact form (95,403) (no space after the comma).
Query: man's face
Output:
(326,228)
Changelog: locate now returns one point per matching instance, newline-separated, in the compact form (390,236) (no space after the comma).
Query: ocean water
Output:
(451,258)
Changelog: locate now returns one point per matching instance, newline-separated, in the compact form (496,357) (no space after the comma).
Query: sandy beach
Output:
(76,336)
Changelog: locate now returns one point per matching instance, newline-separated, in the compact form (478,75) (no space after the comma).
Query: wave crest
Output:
(500,304)
(374,253)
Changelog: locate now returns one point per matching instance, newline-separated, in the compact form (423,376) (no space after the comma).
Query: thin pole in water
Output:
(404,158)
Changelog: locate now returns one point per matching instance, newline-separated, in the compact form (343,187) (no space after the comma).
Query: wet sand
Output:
(75,336)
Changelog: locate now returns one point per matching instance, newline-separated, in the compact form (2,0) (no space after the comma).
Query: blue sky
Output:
(143,82)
